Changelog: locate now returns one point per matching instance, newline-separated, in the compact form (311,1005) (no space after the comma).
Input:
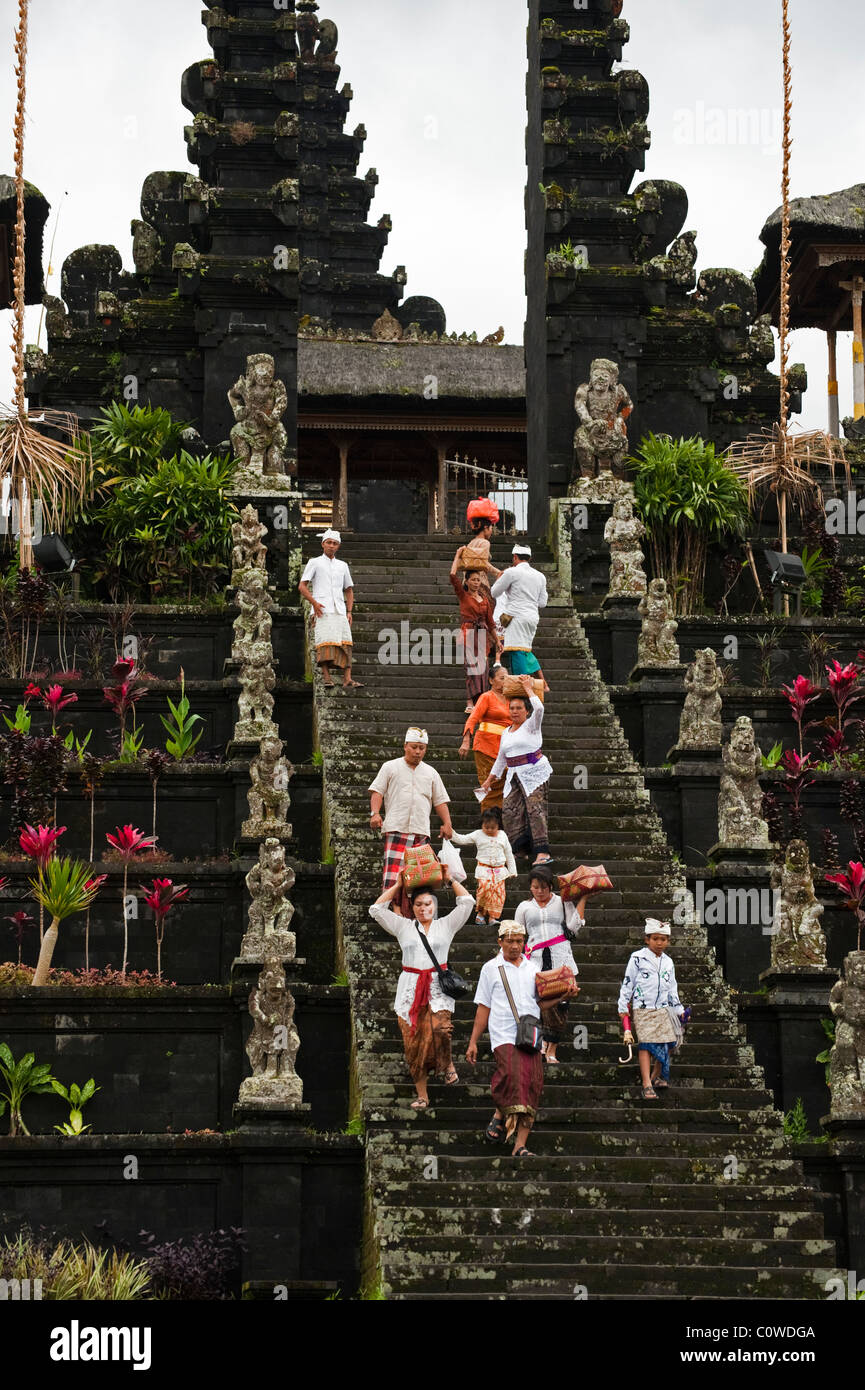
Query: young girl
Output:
(650,983)
(495,865)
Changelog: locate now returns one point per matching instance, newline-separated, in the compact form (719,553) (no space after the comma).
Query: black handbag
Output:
(529,1036)
(453,985)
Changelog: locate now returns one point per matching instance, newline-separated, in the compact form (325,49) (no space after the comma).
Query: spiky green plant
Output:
(64,887)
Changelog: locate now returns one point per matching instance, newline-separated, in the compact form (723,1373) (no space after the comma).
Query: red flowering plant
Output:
(55,702)
(20,923)
(800,695)
(125,693)
(160,898)
(796,779)
(853,884)
(845,690)
(128,842)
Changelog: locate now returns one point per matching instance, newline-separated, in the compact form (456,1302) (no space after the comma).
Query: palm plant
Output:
(64,887)
(688,499)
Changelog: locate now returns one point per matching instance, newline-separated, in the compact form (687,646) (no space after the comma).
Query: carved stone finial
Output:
(269,882)
(700,724)
(273,1044)
(798,940)
(386,329)
(257,683)
(259,401)
(740,820)
(601,441)
(249,551)
(623,533)
(657,645)
(270,774)
(847,1058)
(253,623)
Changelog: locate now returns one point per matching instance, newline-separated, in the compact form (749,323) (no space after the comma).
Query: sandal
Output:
(523,1153)
(495,1131)
(353,685)
(649,1093)
(451,1077)
(551,1061)
(539,862)
(420,1104)
(660,1085)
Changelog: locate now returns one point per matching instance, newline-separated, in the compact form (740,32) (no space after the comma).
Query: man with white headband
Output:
(650,996)
(327,584)
(409,789)
(521,592)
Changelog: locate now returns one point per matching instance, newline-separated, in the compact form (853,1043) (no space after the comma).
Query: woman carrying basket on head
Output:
(551,926)
(521,756)
(424,1012)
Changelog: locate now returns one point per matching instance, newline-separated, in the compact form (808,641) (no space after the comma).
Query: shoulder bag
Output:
(453,985)
(528,1026)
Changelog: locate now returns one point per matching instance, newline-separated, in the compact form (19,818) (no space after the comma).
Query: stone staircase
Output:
(692,1196)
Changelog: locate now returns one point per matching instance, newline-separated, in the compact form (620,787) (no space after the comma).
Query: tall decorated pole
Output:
(42,472)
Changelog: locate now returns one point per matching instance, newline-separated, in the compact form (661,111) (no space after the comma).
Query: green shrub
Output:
(688,499)
(74,1272)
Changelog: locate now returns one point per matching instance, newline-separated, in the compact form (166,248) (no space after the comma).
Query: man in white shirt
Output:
(519,1076)
(327,584)
(410,789)
(520,594)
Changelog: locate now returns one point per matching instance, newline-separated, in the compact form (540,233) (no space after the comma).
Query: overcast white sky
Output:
(440,87)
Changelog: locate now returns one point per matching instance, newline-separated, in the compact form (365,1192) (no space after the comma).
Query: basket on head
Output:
(513,688)
(583,880)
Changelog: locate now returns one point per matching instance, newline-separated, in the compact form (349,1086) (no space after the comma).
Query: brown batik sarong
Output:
(428,1048)
(517,1083)
(483,767)
(525,818)
(554,1020)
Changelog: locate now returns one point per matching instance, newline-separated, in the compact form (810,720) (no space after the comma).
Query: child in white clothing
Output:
(495,865)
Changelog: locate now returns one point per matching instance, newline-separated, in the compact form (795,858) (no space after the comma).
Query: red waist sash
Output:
(421,991)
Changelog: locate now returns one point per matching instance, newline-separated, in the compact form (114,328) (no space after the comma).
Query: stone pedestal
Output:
(661,677)
(279,510)
(695,776)
(582,553)
(735,903)
(847,1151)
(797,1000)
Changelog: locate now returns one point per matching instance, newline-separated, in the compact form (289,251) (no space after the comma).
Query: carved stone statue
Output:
(273,1044)
(255,702)
(386,329)
(700,724)
(270,774)
(678,266)
(270,913)
(601,441)
(623,533)
(254,622)
(797,936)
(248,551)
(146,247)
(740,823)
(657,645)
(847,1058)
(259,440)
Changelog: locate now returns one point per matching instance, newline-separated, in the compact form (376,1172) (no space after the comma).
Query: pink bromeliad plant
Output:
(800,695)
(38,844)
(128,842)
(853,884)
(161,897)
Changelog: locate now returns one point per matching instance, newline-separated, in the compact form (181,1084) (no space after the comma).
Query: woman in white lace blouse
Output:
(521,756)
(551,926)
(424,1012)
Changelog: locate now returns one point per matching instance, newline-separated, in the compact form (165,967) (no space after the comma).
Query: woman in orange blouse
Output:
(478,631)
(487,722)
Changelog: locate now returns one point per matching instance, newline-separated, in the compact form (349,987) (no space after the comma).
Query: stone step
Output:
(546,1215)
(577,1251)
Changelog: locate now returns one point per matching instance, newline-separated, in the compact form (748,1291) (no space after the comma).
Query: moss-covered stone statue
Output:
(847,1058)
(623,533)
(798,941)
(700,724)
(259,401)
(273,1044)
(740,822)
(270,913)
(270,774)
(657,645)
(602,406)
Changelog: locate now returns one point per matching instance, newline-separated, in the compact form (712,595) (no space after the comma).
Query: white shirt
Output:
(544,923)
(516,743)
(441,933)
(522,591)
(409,796)
(328,580)
(649,983)
(491,993)
(495,856)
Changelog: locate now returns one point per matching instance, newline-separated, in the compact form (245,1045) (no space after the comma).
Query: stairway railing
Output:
(466,480)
